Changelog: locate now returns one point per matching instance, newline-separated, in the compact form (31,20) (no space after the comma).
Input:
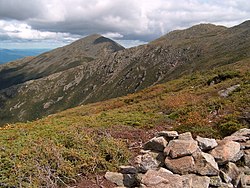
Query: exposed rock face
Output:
(191,168)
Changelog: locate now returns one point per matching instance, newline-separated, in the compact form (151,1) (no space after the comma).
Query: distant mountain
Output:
(96,68)
(7,55)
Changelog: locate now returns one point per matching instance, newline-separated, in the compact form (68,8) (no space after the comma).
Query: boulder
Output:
(242,132)
(168,134)
(195,181)
(237,138)
(226,92)
(124,180)
(183,165)
(205,164)
(150,160)
(180,148)
(206,143)
(156,144)
(162,179)
(128,170)
(185,136)
(226,151)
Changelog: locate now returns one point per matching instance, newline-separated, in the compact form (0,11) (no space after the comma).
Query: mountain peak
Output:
(96,45)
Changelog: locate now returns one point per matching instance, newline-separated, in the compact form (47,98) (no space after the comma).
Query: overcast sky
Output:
(53,23)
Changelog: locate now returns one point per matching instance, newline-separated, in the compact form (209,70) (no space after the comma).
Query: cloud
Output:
(142,20)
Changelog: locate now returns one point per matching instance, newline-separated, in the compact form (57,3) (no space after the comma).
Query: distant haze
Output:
(53,23)
(7,55)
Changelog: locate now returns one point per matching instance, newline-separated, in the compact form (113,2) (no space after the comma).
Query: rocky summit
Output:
(200,163)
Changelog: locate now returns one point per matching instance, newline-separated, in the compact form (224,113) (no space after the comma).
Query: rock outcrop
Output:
(178,160)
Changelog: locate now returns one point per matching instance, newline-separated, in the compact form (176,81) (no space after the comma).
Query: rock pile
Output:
(172,160)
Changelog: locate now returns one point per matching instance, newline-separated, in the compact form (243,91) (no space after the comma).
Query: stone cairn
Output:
(172,160)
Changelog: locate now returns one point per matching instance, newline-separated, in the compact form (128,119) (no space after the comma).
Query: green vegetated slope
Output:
(118,72)
(92,138)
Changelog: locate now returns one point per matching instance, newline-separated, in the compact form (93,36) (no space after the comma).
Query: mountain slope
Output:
(77,53)
(61,148)
(178,53)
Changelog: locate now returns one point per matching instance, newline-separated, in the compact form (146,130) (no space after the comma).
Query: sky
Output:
(54,23)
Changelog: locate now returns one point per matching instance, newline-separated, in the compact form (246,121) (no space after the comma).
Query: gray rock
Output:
(183,165)
(180,148)
(148,161)
(238,156)
(226,92)
(205,164)
(215,181)
(206,143)
(185,136)
(125,180)
(168,134)
(156,144)
(226,151)
(128,170)
(162,179)
(195,181)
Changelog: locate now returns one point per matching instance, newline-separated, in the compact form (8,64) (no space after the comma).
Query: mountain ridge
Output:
(126,71)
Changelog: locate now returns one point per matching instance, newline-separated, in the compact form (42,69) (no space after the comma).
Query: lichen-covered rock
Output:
(205,164)
(126,180)
(245,181)
(237,138)
(242,132)
(168,134)
(247,157)
(162,179)
(180,148)
(234,173)
(150,160)
(206,143)
(183,165)
(156,144)
(215,181)
(195,181)
(226,151)
(185,136)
